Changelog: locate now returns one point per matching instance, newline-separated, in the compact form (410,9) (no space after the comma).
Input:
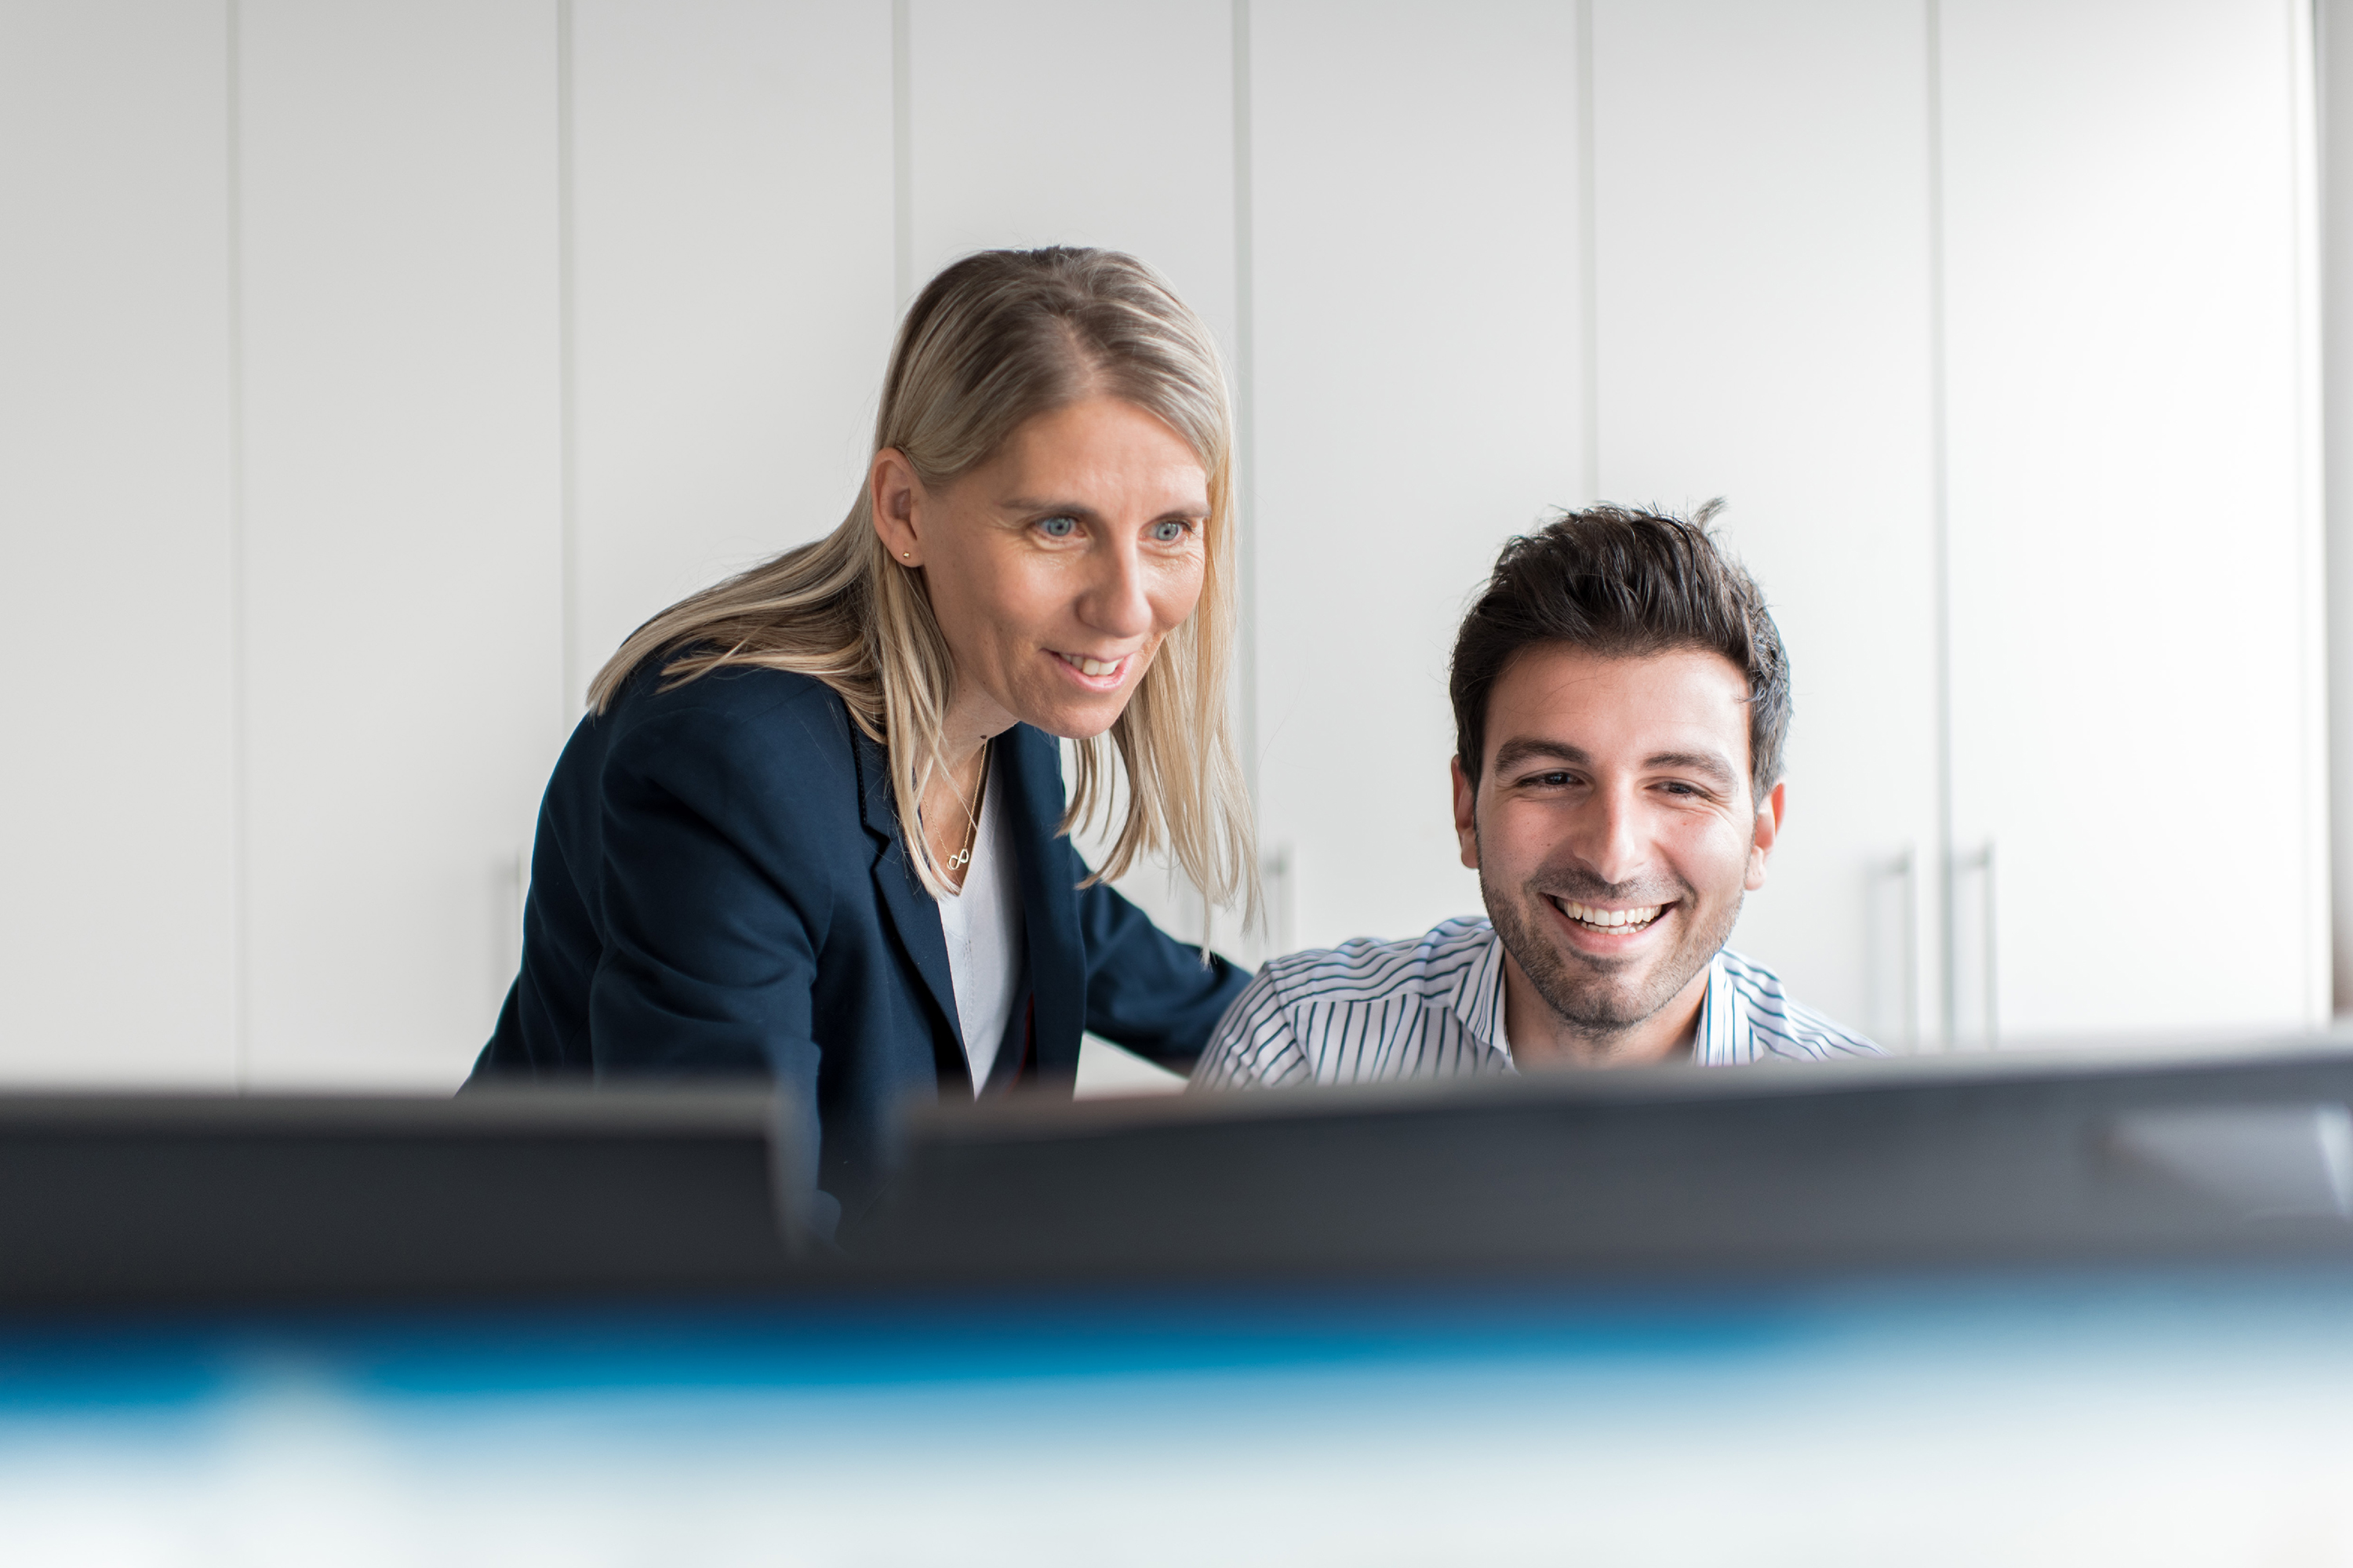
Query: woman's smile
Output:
(1097,675)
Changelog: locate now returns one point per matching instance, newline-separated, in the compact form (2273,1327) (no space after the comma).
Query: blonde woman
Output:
(814,826)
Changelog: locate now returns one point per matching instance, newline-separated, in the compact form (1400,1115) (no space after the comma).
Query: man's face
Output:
(1613,827)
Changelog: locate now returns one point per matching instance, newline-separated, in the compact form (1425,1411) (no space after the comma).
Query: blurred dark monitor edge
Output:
(2218,1154)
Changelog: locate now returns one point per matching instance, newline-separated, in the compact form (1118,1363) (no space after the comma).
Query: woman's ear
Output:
(894,491)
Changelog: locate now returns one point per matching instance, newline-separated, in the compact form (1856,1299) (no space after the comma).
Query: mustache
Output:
(1581,886)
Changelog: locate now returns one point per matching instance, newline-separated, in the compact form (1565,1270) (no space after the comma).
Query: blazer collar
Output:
(1028,768)
(910,907)
(1026,764)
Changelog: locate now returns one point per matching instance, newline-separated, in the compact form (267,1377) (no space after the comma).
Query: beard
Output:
(1602,996)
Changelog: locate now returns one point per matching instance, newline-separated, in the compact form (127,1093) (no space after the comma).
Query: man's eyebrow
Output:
(1524,749)
(1706,762)
(1521,748)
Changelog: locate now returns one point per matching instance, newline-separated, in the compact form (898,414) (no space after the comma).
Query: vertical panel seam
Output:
(2306,108)
(1588,249)
(567,398)
(902,154)
(1940,524)
(241,777)
(1245,401)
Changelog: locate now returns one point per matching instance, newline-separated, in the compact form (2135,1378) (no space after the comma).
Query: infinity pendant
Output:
(959,860)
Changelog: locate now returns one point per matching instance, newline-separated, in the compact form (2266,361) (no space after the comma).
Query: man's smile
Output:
(1602,929)
(1601,919)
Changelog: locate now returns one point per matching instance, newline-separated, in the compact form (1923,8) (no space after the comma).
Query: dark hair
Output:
(1618,580)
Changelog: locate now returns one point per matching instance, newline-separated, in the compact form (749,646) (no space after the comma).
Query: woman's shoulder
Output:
(730,693)
(746,715)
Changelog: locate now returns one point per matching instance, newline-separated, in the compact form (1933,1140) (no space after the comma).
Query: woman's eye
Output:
(1169,532)
(1059,527)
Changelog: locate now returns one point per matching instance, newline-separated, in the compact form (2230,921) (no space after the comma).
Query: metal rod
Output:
(1907,872)
(1979,860)
(1993,973)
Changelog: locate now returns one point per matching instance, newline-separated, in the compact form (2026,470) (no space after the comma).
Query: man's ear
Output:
(1466,814)
(893,489)
(1769,830)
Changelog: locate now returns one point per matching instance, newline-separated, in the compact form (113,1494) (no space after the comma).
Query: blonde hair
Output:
(997,339)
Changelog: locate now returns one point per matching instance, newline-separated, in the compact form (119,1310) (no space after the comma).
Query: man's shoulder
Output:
(1363,1011)
(1780,1024)
(1364,968)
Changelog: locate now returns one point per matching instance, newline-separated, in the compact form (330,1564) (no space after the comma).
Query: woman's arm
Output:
(715,901)
(1145,990)
(709,959)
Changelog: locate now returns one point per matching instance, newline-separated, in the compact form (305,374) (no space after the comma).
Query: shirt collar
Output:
(1722,1021)
(1478,1002)
(1478,999)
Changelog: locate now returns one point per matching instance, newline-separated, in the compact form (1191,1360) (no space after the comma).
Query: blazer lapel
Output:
(911,911)
(1032,775)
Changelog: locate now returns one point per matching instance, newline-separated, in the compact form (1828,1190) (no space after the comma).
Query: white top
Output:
(1432,1007)
(985,948)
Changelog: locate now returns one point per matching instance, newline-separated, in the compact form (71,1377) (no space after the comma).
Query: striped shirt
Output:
(1432,1007)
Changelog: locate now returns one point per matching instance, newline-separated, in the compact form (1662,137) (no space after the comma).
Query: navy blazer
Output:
(720,885)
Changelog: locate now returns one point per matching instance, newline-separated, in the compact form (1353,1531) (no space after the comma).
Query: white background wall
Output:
(366,373)
(1417,394)
(120,875)
(1761,224)
(2132,363)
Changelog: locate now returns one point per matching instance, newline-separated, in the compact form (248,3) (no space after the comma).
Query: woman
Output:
(813,826)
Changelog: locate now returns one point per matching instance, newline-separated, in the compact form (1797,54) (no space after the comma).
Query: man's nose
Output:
(1114,602)
(1611,841)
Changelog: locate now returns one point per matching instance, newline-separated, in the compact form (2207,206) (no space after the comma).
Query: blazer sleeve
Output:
(1145,990)
(714,908)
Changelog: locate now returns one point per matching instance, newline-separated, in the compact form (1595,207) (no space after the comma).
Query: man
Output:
(1621,701)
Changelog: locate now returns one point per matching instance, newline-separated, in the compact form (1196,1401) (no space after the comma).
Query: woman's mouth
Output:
(1100,672)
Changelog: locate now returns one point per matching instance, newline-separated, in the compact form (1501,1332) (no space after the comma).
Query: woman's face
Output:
(1056,567)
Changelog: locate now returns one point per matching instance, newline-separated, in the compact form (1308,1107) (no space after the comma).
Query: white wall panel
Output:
(2133,529)
(1417,371)
(1036,122)
(117,817)
(1062,123)
(1762,240)
(732,258)
(404,610)
(2136,641)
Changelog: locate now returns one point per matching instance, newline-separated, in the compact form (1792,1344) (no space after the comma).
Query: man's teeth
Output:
(1090,666)
(1608,919)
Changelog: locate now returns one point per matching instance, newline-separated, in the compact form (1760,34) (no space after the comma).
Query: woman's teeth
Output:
(1585,915)
(1090,666)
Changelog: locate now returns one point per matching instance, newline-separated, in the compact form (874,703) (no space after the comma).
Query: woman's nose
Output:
(1115,603)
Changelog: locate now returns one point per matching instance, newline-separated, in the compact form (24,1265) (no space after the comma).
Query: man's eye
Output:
(1170,531)
(1059,527)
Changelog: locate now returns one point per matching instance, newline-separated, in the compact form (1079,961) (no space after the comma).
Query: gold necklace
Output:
(963,857)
